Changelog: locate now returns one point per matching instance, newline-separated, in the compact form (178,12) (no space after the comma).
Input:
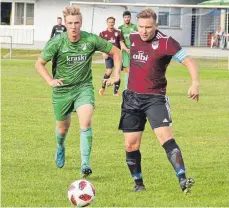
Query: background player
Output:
(59,28)
(115,37)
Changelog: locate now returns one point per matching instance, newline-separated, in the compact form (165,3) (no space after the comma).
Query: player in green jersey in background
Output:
(72,81)
(127,28)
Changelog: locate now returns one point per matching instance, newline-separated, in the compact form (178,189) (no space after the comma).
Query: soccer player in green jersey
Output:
(72,81)
(127,28)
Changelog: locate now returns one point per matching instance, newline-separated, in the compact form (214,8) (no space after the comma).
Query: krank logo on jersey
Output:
(75,59)
(141,57)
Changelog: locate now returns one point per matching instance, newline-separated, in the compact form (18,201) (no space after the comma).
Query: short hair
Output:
(126,13)
(72,10)
(147,13)
(111,18)
(59,18)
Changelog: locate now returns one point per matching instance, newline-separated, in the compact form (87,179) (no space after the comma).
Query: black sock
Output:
(133,160)
(175,158)
(104,83)
(116,87)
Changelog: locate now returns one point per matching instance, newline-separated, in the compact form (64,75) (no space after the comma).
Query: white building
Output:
(29,22)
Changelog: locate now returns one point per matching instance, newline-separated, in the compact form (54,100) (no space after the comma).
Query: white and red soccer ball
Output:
(81,193)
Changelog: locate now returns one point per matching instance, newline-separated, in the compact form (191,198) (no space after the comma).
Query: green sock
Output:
(60,139)
(85,146)
(126,77)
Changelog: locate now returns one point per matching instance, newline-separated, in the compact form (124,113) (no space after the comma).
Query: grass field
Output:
(31,179)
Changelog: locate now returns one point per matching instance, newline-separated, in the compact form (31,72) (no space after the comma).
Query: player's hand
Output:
(193,92)
(128,51)
(56,82)
(111,81)
(105,56)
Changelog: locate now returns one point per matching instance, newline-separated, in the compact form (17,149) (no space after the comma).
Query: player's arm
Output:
(117,58)
(41,69)
(105,55)
(123,47)
(122,44)
(180,55)
(193,91)
(49,51)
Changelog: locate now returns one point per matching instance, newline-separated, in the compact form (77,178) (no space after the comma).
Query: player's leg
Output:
(126,65)
(132,123)
(109,65)
(160,120)
(133,158)
(116,85)
(61,133)
(84,106)
(63,106)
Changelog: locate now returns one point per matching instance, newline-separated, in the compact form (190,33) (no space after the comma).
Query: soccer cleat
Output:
(186,185)
(60,156)
(139,188)
(117,94)
(86,172)
(101,91)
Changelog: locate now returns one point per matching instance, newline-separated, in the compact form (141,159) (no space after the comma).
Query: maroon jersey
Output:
(149,61)
(113,37)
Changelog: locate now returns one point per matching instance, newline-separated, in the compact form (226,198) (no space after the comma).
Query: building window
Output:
(23,13)
(6,9)
(169,17)
(19,14)
(29,14)
(163,19)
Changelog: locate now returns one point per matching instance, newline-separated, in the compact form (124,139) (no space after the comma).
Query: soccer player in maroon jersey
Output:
(150,53)
(116,38)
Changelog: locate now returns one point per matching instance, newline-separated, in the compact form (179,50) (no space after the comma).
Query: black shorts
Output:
(109,62)
(137,107)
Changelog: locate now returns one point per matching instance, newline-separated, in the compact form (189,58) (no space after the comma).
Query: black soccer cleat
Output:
(86,172)
(139,188)
(186,185)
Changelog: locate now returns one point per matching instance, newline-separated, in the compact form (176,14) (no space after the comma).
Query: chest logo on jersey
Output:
(140,57)
(155,45)
(84,47)
(116,34)
(112,40)
(75,59)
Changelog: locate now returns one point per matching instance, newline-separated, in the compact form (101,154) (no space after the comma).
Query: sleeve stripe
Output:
(181,55)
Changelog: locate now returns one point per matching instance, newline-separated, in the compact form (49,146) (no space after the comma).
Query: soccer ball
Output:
(81,193)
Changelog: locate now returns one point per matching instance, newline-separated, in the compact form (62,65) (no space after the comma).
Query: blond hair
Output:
(147,13)
(72,10)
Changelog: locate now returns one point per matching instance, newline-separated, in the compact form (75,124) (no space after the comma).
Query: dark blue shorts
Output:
(109,62)
(136,108)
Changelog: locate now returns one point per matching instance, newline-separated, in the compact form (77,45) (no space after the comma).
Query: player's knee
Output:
(62,131)
(85,125)
(131,147)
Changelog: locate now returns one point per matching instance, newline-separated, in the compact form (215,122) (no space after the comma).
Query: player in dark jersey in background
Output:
(72,81)
(59,28)
(116,38)
(150,53)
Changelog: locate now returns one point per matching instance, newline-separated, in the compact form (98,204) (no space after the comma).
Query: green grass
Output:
(31,179)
